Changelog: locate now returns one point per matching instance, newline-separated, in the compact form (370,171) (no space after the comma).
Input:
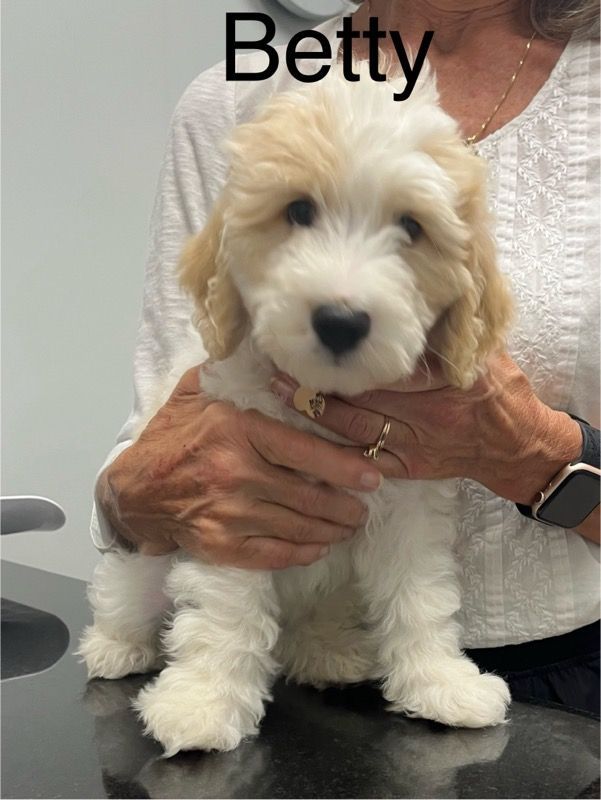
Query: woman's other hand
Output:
(498,432)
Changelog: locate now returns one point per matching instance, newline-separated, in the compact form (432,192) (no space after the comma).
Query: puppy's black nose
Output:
(339,328)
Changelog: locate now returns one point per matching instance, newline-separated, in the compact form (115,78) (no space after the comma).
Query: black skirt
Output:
(562,670)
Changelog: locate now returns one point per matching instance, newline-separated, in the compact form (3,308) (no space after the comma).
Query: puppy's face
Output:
(350,239)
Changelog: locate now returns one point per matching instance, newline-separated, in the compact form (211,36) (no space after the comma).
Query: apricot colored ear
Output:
(220,315)
(476,324)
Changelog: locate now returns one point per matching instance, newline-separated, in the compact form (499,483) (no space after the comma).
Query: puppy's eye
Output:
(301,212)
(412,226)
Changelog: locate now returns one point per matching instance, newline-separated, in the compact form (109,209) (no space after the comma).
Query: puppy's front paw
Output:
(461,699)
(184,714)
(108,657)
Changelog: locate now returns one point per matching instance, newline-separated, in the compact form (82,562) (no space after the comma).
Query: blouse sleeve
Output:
(191,176)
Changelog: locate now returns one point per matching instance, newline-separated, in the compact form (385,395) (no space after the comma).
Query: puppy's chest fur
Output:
(399,509)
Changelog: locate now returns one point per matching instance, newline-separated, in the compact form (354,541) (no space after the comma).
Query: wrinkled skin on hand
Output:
(223,484)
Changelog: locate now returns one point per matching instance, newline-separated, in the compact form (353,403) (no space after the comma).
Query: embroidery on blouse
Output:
(530,200)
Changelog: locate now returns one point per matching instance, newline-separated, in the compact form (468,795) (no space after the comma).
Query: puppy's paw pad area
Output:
(108,657)
(181,716)
(477,701)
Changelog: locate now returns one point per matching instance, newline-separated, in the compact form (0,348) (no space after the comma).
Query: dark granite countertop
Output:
(63,738)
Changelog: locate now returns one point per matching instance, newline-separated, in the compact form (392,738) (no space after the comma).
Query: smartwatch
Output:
(573,493)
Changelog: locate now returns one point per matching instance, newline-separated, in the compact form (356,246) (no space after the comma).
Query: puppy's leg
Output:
(221,667)
(128,601)
(412,587)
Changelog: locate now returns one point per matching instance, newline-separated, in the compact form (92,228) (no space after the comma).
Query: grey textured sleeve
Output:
(193,171)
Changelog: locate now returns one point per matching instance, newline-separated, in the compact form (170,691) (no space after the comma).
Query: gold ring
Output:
(374,450)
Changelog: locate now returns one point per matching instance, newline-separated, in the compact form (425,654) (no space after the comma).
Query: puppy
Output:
(351,238)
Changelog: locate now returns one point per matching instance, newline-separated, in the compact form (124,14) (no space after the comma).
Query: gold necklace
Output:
(471,140)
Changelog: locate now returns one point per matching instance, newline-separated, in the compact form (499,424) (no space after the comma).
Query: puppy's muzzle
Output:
(339,328)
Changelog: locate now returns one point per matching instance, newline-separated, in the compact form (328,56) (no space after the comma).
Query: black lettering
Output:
(232,45)
(374,34)
(347,34)
(292,56)
(410,73)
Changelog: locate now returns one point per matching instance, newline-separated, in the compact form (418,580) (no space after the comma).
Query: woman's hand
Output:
(498,432)
(222,484)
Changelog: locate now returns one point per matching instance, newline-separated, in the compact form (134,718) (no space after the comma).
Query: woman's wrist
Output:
(556,441)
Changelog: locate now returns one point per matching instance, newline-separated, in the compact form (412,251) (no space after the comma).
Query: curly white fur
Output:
(382,605)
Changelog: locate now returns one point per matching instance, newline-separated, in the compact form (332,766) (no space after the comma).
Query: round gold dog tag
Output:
(310,402)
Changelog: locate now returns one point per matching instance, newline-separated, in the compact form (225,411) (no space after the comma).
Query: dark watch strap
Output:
(590,454)
(591,449)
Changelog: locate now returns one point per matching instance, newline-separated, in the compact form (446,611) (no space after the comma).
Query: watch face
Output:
(315,9)
(571,504)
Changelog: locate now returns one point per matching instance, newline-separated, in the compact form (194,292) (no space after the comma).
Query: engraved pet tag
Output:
(310,402)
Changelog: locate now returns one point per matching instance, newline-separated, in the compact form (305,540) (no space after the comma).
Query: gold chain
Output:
(470,140)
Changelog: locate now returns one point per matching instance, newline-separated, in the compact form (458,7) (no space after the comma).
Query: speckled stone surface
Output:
(63,738)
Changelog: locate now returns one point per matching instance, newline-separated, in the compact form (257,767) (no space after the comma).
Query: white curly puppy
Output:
(351,238)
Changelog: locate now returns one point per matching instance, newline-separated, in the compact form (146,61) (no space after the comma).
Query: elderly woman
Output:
(521,79)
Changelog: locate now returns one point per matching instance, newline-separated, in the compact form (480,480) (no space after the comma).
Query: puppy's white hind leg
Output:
(221,667)
(413,591)
(128,601)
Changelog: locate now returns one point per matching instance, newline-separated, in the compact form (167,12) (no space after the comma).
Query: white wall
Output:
(88,90)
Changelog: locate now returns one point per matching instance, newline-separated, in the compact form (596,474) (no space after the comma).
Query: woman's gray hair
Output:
(555,19)
(560,19)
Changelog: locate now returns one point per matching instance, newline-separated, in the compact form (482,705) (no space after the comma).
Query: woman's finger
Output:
(364,426)
(279,522)
(284,446)
(253,552)
(270,554)
(286,488)
(359,425)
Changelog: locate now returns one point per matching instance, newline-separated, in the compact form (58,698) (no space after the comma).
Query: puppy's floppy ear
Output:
(220,315)
(475,325)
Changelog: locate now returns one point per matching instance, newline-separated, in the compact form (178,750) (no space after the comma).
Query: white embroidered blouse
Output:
(521,580)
